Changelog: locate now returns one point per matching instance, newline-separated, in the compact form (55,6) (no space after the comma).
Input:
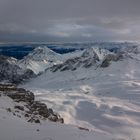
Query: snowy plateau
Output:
(96,91)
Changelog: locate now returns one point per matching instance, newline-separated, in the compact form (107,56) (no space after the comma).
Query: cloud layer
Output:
(69,20)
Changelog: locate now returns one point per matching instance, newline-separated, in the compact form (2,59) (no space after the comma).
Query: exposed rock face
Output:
(33,111)
(41,108)
(18,94)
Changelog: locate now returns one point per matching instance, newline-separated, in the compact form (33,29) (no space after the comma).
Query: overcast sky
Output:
(69,20)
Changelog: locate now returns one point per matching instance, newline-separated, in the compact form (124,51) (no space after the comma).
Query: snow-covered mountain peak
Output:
(96,52)
(40,59)
(43,53)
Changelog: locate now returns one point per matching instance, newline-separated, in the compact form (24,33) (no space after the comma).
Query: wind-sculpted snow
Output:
(102,99)
(21,117)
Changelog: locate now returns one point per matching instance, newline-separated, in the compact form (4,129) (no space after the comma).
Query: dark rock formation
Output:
(11,72)
(41,108)
(34,111)
(18,94)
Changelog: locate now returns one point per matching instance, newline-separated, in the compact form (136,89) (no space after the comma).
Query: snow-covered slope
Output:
(15,128)
(105,99)
(15,119)
(40,59)
(74,54)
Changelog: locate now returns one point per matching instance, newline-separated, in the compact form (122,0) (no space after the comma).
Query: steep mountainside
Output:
(11,72)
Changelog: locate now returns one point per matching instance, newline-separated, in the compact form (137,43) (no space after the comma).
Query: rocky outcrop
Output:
(11,72)
(17,94)
(33,111)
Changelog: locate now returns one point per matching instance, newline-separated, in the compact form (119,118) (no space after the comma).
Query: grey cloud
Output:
(69,20)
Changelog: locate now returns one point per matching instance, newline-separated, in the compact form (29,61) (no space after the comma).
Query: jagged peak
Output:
(96,52)
(43,49)
(41,53)
(39,59)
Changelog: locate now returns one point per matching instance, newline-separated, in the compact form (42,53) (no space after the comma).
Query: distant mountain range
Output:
(43,58)
(18,50)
